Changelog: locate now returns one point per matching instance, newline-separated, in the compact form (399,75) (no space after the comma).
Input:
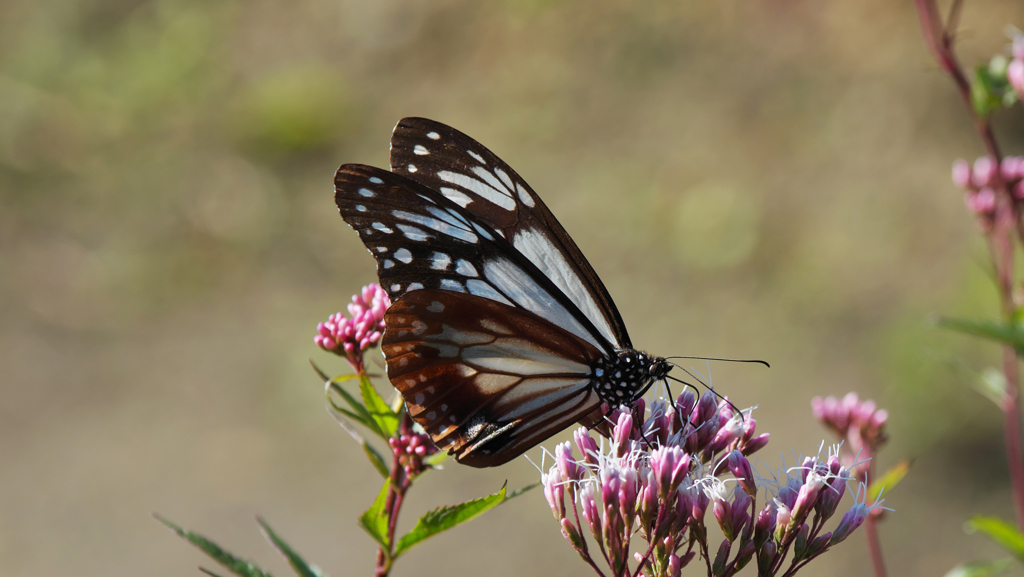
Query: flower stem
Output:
(940,39)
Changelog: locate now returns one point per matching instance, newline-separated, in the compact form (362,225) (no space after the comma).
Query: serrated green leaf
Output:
(1005,534)
(375,520)
(380,412)
(359,412)
(230,562)
(980,568)
(444,518)
(888,480)
(522,490)
(1010,335)
(300,565)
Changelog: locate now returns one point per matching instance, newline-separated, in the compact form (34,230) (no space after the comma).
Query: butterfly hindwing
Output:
(470,175)
(487,381)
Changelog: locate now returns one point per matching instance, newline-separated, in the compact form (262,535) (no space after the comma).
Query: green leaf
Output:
(889,480)
(444,518)
(980,568)
(233,564)
(380,412)
(375,520)
(375,458)
(298,563)
(1005,534)
(359,413)
(1007,334)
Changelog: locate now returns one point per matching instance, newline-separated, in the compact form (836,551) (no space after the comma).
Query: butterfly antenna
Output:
(708,387)
(758,361)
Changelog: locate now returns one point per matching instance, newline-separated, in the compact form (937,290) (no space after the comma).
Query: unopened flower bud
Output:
(740,468)
(961,173)
(566,465)
(554,492)
(622,434)
(1015,76)
(984,171)
(586,444)
(852,519)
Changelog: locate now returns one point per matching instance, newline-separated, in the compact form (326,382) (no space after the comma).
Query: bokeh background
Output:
(751,179)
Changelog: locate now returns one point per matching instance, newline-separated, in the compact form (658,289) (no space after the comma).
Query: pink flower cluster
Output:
(659,480)
(861,424)
(410,449)
(349,337)
(981,181)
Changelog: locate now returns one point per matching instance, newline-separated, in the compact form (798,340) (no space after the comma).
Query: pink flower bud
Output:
(1015,76)
(756,444)
(852,519)
(589,510)
(622,433)
(808,495)
(740,468)
(984,171)
(587,445)
(554,492)
(568,468)
(961,178)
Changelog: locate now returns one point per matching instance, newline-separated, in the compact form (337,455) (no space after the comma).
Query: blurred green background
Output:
(751,179)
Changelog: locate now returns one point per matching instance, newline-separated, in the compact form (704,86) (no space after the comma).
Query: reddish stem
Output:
(940,40)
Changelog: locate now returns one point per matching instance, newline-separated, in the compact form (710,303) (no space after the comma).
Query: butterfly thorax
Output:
(624,377)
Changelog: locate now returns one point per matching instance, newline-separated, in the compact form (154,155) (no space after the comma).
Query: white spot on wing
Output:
(452,285)
(389,263)
(433,135)
(412,233)
(465,268)
(440,261)
(469,183)
(435,307)
(403,255)
(491,180)
(482,289)
(478,158)
(456,196)
(524,196)
(360,208)
(420,150)
(375,180)
(504,179)
(435,224)
(380,226)
(366,192)
(415,286)
(412,168)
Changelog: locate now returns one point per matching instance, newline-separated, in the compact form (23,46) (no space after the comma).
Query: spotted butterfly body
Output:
(501,334)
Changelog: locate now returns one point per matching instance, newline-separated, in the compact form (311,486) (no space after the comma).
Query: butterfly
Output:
(500,333)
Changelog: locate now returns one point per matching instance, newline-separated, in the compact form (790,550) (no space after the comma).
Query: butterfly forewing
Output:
(470,175)
(485,380)
(422,240)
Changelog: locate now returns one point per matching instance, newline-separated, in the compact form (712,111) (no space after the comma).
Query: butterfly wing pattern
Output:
(501,334)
